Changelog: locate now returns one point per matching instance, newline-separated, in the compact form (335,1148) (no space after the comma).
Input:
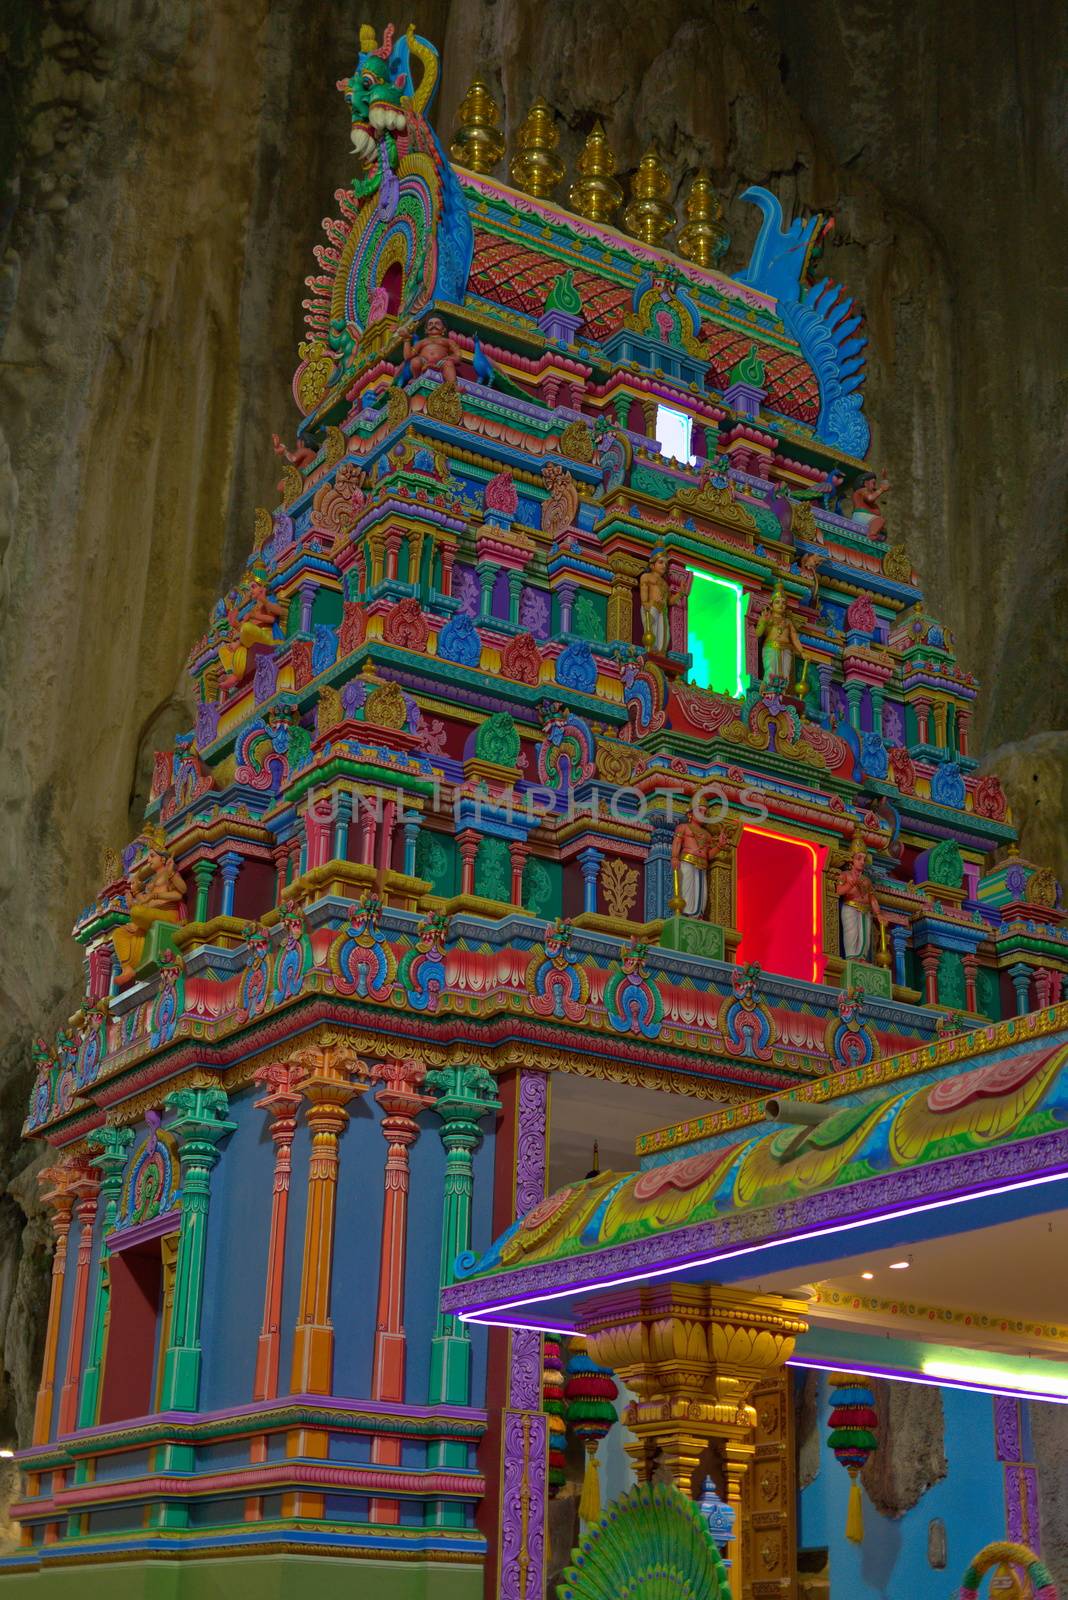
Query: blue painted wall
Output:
(235,1267)
(892,1562)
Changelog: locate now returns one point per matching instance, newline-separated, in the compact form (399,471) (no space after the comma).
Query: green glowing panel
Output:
(716,639)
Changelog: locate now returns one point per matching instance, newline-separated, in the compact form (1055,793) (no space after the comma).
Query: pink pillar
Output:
(401,1102)
(385,842)
(368,829)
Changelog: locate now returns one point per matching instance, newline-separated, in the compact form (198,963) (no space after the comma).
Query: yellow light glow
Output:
(899,1266)
(995,1377)
(867,1275)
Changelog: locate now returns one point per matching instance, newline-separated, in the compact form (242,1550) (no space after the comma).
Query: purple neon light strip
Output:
(898,1375)
(490,1315)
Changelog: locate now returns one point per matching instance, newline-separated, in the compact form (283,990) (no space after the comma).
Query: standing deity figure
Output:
(255,628)
(780,640)
(657,597)
(437,348)
(860,908)
(866,508)
(156,895)
(693,850)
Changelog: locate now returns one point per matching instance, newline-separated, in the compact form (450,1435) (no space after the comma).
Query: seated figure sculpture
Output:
(436,349)
(256,628)
(866,509)
(157,893)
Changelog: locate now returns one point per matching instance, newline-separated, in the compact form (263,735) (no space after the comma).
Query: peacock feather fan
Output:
(651,1544)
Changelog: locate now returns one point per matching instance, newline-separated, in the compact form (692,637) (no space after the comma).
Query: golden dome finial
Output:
(478,143)
(649,217)
(535,167)
(596,194)
(705,238)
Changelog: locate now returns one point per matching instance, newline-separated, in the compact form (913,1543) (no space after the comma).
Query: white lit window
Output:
(673,433)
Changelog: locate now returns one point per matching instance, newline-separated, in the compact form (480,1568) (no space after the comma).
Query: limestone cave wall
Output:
(165,164)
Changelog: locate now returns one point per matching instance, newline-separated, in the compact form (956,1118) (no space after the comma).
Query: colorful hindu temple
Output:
(575,1056)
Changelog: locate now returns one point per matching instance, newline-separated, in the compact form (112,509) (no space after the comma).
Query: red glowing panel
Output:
(779,902)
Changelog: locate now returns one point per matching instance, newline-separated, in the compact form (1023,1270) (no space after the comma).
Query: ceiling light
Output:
(6,1454)
(997,1378)
(867,1274)
(899,1266)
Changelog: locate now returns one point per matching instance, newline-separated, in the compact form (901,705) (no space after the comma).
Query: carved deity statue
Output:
(435,349)
(866,509)
(156,895)
(559,511)
(859,906)
(693,849)
(781,642)
(657,597)
(257,627)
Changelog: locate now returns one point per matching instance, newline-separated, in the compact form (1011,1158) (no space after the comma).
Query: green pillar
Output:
(112,1147)
(198,1125)
(203,872)
(465,1096)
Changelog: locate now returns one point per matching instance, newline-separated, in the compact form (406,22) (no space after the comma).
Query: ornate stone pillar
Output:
(108,1150)
(203,873)
(487,577)
(199,1125)
(565,594)
(693,1354)
(281,1079)
(517,852)
(681,580)
(625,570)
(922,710)
(658,876)
(964,722)
(941,720)
(230,865)
(59,1198)
(401,1100)
(467,840)
(971,966)
(899,938)
(465,1095)
(515,594)
(328,1087)
(1020,973)
(342,819)
(525,1430)
(412,823)
(307,593)
(930,957)
(87,1190)
(589,861)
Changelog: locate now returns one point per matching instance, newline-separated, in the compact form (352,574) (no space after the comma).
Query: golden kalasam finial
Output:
(649,217)
(704,239)
(479,143)
(536,168)
(595,193)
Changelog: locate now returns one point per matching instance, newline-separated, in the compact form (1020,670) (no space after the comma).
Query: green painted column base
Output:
(693,938)
(273,1577)
(875,981)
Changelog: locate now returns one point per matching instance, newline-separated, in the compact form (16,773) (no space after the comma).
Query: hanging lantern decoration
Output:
(852,1438)
(591,1391)
(553,1404)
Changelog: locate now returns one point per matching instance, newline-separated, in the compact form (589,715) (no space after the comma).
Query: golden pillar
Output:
(59,1196)
(693,1355)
